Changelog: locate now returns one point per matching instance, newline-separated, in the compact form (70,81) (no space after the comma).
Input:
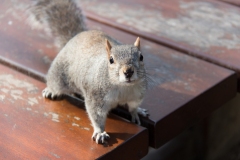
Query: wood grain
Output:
(183,89)
(206,29)
(36,128)
(234,2)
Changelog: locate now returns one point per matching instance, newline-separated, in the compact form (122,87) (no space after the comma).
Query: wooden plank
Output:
(17,46)
(36,128)
(185,89)
(234,2)
(206,29)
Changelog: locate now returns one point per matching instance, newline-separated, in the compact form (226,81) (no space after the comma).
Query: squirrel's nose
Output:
(129,72)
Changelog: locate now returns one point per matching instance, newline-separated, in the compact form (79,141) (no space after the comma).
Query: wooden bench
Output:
(206,29)
(184,91)
(36,128)
(234,2)
(185,94)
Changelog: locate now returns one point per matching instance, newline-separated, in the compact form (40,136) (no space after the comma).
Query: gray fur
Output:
(83,66)
(57,17)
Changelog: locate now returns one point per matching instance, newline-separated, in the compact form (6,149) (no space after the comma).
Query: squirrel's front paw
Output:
(47,93)
(143,112)
(135,118)
(100,137)
(135,114)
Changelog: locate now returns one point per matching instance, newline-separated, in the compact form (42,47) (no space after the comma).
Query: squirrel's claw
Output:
(47,93)
(143,112)
(100,138)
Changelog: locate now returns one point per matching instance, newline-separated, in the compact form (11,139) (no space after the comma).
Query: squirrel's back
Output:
(61,19)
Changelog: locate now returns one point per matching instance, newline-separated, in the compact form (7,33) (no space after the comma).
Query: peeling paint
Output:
(86,128)
(55,155)
(10,23)
(4,90)
(47,60)
(15,88)
(77,118)
(74,124)
(45,114)
(16,94)
(14,126)
(55,117)
(32,101)
(9,81)
(29,109)
(199,23)
(2,97)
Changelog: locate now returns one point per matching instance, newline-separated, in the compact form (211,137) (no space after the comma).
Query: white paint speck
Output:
(2,97)
(10,82)
(55,155)
(55,117)
(74,124)
(29,109)
(32,101)
(77,118)
(5,90)
(16,94)
(10,23)
(47,60)
(14,126)
(86,128)
(55,120)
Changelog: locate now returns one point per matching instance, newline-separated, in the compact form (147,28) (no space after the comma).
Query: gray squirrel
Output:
(90,63)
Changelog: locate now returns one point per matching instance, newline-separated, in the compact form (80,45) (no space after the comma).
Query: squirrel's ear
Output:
(137,43)
(108,47)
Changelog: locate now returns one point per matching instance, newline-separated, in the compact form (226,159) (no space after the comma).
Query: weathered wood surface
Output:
(234,2)
(184,91)
(206,29)
(18,44)
(36,128)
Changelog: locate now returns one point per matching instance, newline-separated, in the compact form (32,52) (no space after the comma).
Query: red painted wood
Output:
(234,2)
(185,89)
(36,128)
(206,29)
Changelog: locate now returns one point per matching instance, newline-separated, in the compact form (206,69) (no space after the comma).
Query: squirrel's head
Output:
(125,63)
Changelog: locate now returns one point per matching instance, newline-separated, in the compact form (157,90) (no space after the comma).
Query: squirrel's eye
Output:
(111,60)
(141,58)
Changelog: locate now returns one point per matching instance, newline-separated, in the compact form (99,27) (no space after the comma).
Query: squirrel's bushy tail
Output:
(61,19)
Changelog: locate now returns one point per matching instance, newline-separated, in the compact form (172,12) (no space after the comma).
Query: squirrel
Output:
(90,63)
